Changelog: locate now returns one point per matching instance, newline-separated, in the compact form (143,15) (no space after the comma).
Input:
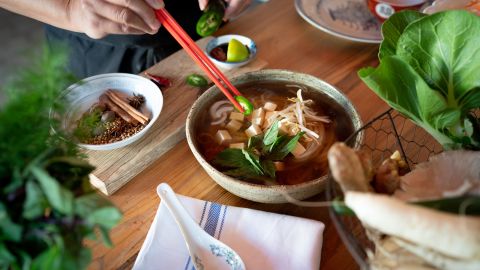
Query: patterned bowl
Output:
(340,107)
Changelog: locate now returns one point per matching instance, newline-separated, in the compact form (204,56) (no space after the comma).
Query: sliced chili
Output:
(197,80)
(245,103)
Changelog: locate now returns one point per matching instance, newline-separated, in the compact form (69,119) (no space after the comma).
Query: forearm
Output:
(53,12)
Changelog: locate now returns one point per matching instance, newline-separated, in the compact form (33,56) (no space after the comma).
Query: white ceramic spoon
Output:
(207,253)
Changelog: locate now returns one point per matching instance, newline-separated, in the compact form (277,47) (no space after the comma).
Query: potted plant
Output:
(47,206)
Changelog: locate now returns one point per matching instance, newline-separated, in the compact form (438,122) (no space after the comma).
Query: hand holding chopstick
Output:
(202,60)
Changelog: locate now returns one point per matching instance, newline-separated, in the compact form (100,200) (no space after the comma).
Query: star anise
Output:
(136,101)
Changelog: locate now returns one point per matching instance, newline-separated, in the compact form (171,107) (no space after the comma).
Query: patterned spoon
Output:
(206,251)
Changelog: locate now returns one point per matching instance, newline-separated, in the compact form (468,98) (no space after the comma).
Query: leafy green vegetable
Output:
(430,72)
(256,162)
(47,207)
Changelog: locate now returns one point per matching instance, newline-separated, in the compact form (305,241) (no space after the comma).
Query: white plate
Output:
(82,95)
(349,19)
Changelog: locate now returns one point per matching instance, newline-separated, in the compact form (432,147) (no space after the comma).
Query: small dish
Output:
(350,20)
(82,95)
(225,39)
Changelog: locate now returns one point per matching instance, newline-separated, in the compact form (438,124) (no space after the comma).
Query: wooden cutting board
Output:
(117,167)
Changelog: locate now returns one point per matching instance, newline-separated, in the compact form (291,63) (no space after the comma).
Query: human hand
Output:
(234,7)
(98,18)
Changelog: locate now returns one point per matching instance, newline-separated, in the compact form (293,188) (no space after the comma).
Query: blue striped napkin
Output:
(263,240)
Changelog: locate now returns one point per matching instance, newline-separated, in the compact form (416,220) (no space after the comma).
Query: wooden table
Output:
(285,41)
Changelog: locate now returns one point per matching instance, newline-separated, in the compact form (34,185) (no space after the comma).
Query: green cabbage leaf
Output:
(430,72)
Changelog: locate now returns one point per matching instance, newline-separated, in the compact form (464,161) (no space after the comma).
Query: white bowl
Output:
(252,47)
(82,95)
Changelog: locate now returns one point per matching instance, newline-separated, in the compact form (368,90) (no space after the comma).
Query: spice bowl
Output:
(222,42)
(85,94)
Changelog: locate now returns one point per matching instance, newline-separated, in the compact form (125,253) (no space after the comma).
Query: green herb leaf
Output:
(35,202)
(231,158)
(269,168)
(89,203)
(9,230)
(6,257)
(254,161)
(285,147)
(271,134)
(254,141)
(60,198)
(106,217)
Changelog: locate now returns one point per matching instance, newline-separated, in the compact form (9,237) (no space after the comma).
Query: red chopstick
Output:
(198,56)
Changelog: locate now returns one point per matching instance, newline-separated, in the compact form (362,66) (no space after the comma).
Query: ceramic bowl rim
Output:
(251,56)
(126,141)
(193,145)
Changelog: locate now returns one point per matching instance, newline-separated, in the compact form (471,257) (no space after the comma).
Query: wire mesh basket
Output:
(379,139)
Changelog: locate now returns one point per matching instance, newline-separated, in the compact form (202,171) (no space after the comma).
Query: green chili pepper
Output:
(245,103)
(197,80)
(211,19)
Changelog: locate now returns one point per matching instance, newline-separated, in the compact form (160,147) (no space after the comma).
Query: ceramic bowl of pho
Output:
(278,153)
(231,51)
(110,111)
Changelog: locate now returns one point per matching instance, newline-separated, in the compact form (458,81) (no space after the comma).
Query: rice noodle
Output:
(219,111)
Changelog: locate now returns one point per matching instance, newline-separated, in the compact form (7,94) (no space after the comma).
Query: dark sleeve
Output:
(125,53)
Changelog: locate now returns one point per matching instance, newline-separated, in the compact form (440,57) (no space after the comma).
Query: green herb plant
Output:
(256,161)
(430,72)
(47,206)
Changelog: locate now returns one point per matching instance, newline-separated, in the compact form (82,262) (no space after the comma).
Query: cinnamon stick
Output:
(104,99)
(126,107)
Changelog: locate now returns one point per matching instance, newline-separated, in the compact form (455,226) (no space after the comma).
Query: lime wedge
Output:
(236,51)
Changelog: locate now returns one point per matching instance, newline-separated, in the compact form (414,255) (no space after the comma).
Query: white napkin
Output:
(263,240)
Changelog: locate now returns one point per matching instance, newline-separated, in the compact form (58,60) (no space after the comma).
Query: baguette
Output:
(449,234)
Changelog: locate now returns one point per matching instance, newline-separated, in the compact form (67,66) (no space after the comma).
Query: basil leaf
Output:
(231,158)
(285,147)
(269,168)
(59,198)
(254,141)
(254,161)
(271,134)
(8,229)
(106,217)
(35,202)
